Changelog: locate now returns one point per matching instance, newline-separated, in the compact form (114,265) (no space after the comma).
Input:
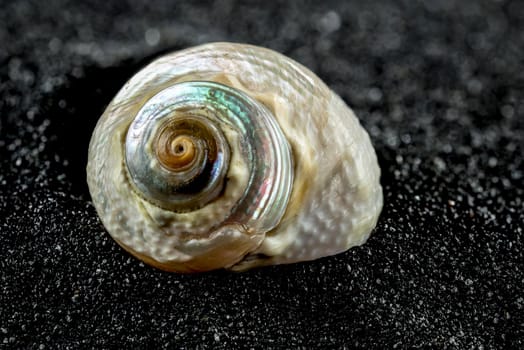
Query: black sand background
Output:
(439,85)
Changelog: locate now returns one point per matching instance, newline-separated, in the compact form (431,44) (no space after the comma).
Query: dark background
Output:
(439,86)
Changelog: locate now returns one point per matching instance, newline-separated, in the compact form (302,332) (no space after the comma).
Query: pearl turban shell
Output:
(232,156)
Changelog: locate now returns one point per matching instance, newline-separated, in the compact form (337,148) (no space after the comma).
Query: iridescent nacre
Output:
(232,156)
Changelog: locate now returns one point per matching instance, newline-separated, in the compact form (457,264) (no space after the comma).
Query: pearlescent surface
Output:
(333,177)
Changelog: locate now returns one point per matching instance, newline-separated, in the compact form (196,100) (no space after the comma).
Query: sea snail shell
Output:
(232,156)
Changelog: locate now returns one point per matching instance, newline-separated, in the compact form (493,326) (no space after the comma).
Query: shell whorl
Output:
(230,155)
(177,156)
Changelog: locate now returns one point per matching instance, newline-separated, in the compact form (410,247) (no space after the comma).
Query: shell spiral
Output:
(232,156)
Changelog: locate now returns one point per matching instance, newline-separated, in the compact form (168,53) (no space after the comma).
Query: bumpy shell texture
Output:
(232,156)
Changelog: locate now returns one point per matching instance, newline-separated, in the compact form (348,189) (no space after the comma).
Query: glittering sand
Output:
(439,88)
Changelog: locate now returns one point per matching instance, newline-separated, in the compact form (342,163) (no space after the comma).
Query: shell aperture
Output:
(231,156)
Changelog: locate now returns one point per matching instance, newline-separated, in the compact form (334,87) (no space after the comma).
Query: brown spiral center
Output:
(187,148)
(176,152)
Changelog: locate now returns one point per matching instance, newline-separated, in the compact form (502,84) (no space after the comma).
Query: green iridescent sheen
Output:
(263,146)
